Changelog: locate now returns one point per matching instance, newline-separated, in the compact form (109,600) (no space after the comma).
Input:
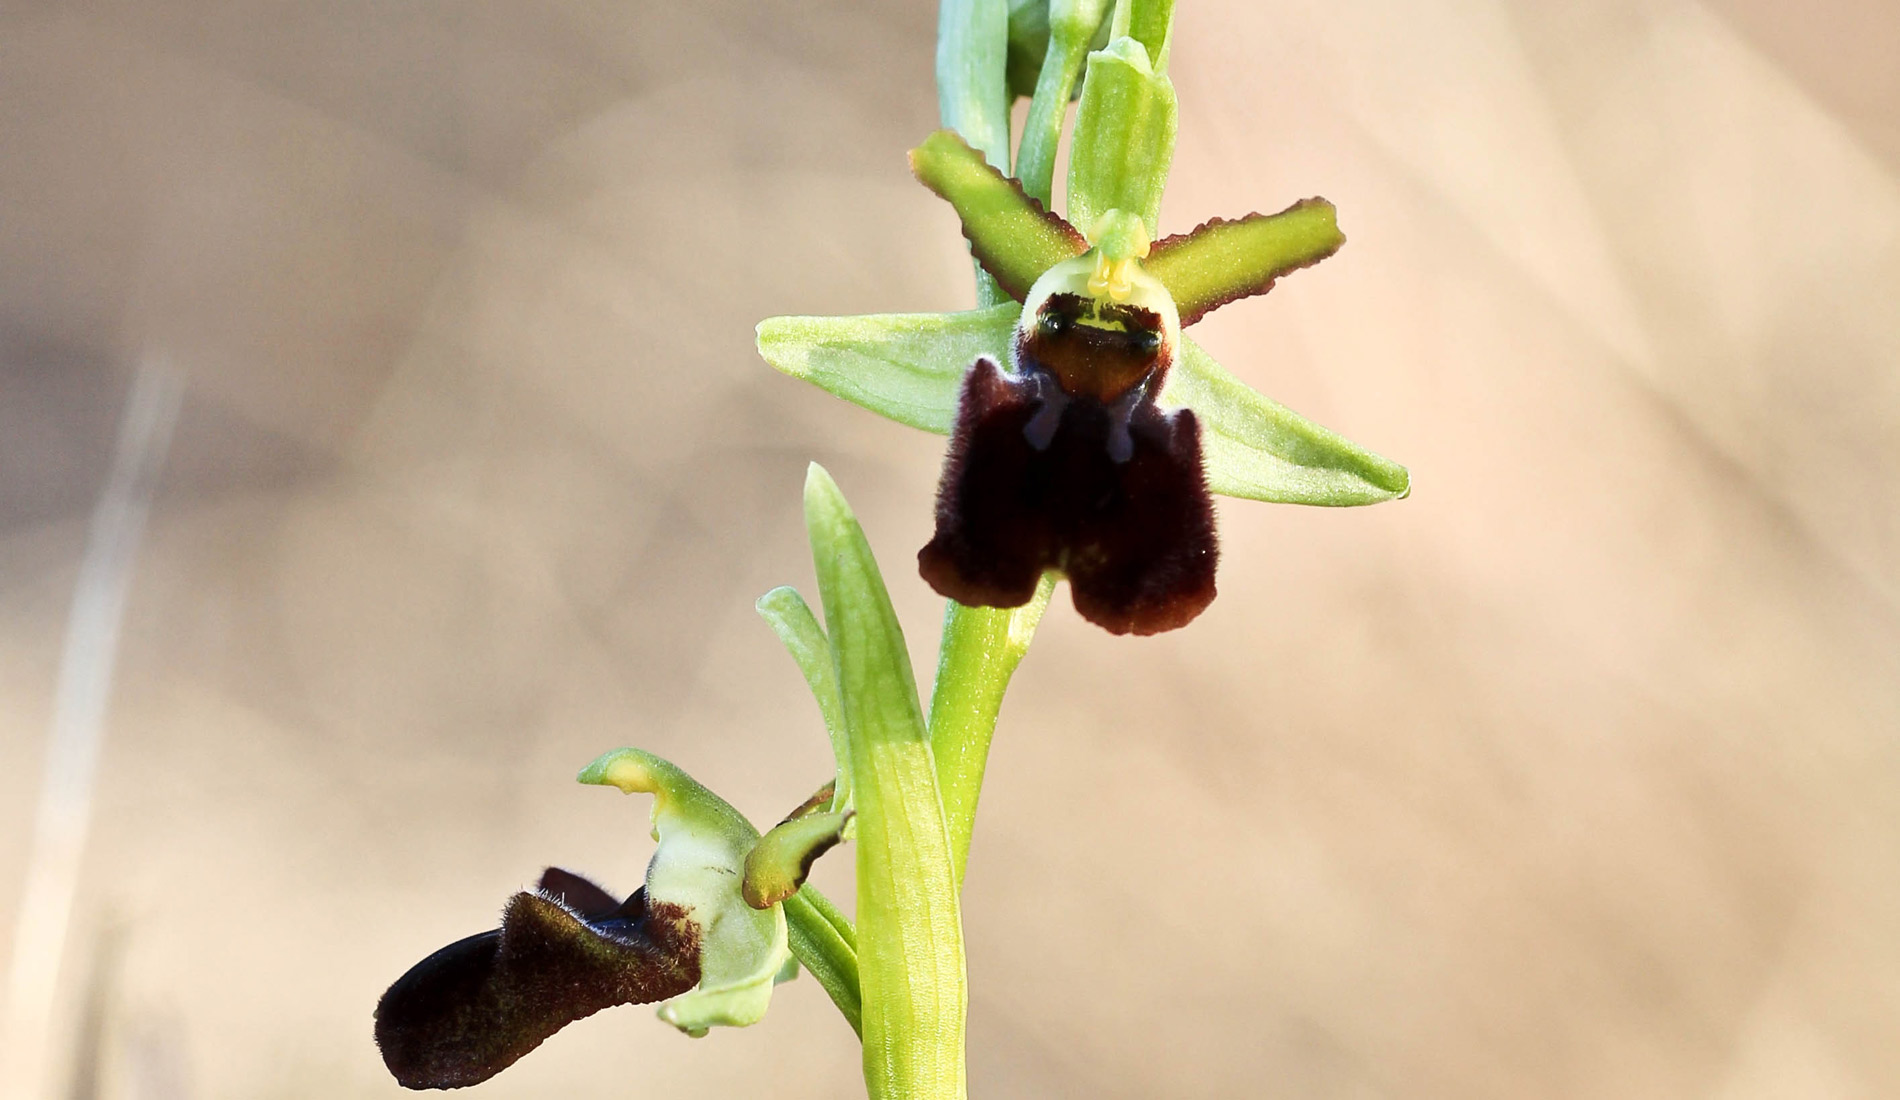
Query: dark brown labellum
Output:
(1094,481)
(563,953)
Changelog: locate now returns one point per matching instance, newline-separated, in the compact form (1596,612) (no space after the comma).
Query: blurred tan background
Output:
(1574,775)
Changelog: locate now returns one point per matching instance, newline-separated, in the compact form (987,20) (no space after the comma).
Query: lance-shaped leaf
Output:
(791,619)
(1254,447)
(1011,235)
(1222,261)
(910,936)
(699,866)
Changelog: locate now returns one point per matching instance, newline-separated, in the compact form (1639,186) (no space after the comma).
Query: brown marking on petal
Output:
(780,863)
(1193,310)
(1136,537)
(1088,360)
(819,799)
(473,1008)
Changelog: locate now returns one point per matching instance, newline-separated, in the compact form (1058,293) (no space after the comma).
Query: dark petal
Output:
(1135,537)
(993,539)
(473,1008)
(1144,562)
(577,893)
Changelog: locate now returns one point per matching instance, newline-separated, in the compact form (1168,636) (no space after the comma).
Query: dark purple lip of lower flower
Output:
(562,953)
(1112,495)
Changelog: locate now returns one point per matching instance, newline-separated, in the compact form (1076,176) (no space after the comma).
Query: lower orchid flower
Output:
(568,949)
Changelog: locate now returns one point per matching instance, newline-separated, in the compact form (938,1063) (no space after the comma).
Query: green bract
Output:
(910,936)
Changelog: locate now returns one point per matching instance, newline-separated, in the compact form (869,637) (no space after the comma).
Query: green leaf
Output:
(791,618)
(910,936)
(1261,450)
(1222,261)
(906,366)
(700,865)
(1011,234)
(780,862)
(1124,137)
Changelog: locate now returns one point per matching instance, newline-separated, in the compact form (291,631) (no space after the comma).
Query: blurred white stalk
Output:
(79,709)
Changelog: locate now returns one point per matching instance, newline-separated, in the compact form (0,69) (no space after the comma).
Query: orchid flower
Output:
(1086,431)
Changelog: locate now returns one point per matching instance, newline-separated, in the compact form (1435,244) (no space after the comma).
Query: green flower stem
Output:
(1072,26)
(979,653)
(910,934)
(827,946)
(973,89)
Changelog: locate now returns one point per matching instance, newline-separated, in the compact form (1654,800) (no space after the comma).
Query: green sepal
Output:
(1124,136)
(910,934)
(700,863)
(972,58)
(780,862)
(905,366)
(791,619)
(1259,449)
(1222,261)
(909,367)
(1011,234)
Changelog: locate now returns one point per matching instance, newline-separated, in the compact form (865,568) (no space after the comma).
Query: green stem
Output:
(826,945)
(980,651)
(1072,25)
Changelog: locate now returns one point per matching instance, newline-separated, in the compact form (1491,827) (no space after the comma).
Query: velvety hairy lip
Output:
(562,953)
